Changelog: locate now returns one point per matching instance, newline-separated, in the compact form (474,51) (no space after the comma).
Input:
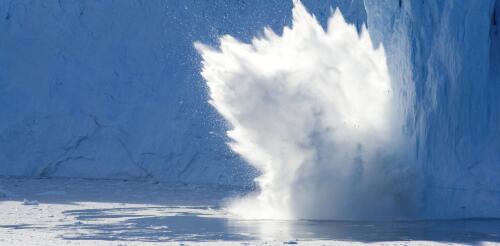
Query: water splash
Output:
(313,110)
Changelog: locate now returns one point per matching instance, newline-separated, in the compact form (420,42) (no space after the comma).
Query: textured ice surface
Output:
(444,55)
(111,89)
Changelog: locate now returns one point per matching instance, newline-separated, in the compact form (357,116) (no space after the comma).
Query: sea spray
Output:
(314,111)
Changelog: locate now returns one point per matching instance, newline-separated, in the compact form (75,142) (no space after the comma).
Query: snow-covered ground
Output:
(120,212)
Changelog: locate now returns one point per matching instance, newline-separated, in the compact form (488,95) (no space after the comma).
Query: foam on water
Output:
(314,111)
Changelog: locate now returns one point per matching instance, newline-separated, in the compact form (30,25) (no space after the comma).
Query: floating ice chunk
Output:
(28,202)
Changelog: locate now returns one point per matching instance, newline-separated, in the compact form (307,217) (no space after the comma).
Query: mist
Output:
(314,111)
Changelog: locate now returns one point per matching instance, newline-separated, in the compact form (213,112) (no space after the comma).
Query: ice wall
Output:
(445,56)
(111,89)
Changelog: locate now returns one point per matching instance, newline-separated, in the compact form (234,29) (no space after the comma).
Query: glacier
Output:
(112,89)
(445,56)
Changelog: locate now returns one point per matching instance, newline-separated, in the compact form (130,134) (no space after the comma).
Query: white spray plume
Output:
(313,111)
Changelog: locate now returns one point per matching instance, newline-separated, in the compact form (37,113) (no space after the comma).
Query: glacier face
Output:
(111,89)
(444,57)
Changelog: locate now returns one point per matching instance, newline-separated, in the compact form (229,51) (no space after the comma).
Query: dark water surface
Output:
(150,212)
(195,225)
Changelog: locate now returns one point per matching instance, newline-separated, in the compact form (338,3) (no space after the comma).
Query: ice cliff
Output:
(444,56)
(112,89)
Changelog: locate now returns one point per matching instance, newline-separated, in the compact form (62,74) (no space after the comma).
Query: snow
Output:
(106,212)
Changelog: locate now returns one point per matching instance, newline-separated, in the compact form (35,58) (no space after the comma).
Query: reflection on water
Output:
(109,210)
(442,230)
(171,223)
